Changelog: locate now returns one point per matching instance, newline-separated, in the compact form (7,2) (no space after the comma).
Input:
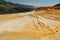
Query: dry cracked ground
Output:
(35,25)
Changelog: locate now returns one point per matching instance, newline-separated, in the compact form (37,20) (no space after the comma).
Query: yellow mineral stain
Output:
(33,28)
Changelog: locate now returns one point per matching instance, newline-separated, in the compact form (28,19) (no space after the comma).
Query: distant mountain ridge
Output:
(57,4)
(3,2)
(9,7)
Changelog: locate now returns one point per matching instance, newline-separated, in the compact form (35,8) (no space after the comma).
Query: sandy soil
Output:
(32,26)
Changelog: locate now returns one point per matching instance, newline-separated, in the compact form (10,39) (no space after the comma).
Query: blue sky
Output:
(36,2)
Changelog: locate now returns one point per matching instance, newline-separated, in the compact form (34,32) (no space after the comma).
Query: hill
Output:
(9,7)
(57,4)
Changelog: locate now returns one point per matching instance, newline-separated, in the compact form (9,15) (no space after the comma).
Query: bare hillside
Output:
(36,25)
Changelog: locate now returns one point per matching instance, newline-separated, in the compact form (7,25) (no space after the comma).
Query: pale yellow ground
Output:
(36,26)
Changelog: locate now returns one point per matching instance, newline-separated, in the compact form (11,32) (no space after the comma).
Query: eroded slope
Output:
(38,25)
